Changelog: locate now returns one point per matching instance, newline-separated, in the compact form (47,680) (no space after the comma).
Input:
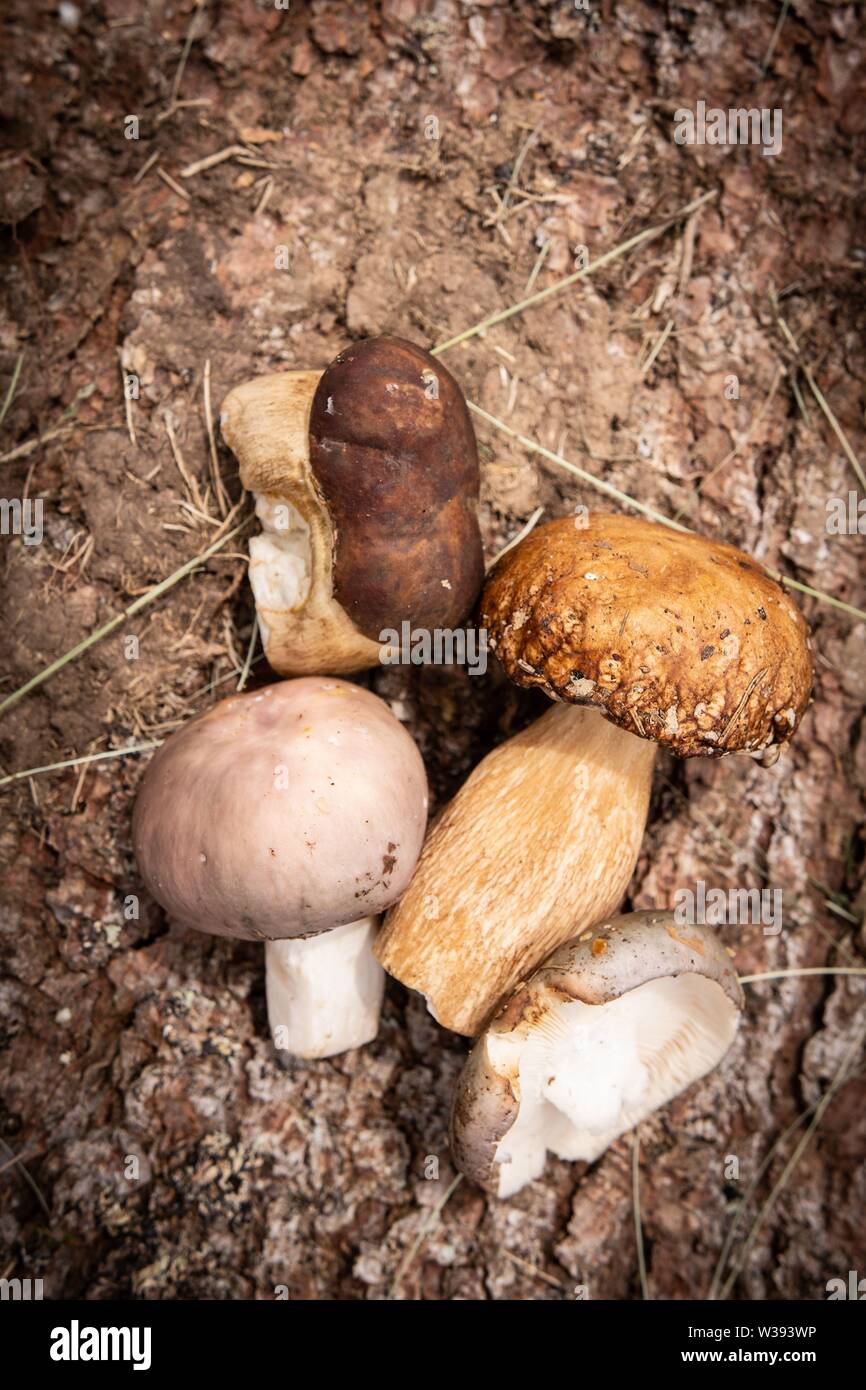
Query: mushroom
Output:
(366,481)
(292,815)
(614,1024)
(644,637)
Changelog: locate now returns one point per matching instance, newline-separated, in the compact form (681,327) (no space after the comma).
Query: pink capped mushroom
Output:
(294,816)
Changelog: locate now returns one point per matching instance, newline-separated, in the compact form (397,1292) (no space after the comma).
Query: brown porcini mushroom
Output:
(291,815)
(366,481)
(644,637)
(612,1026)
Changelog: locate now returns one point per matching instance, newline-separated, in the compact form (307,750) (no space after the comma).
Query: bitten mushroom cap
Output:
(393,452)
(673,637)
(613,1025)
(282,812)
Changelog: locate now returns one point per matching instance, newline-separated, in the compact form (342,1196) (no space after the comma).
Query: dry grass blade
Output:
(515,540)
(245,672)
(634,505)
(31,445)
(782,1181)
(149,597)
(638,1225)
(423,1231)
(81,762)
(219,490)
(656,349)
(187,45)
(821,400)
(17,1162)
(598,483)
(606,259)
(796,971)
(211,160)
(10,394)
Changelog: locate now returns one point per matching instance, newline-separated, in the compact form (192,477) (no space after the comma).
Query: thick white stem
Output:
(325,991)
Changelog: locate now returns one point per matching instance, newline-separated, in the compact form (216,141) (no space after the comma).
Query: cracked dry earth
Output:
(125,1038)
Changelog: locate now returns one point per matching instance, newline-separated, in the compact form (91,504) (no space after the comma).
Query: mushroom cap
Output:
(674,637)
(282,812)
(614,1024)
(393,452)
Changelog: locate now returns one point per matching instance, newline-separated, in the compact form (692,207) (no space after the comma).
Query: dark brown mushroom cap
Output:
(672,636)
(393,452)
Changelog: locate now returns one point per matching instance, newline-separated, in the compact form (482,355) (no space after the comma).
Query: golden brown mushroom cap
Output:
(672,636)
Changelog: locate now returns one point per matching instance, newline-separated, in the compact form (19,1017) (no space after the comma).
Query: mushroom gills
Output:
(587,1073)
(325,991)
(281,559)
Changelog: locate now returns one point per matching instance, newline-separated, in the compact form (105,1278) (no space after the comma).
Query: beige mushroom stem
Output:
(540,841)
(325,991)
(266,424)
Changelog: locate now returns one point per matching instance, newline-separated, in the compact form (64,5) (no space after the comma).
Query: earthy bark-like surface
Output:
(164,1152)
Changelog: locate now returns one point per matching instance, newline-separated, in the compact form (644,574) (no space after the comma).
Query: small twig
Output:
(656,349)
(245,673)
(169,111)
(31,1182)
(148,164)
(31,445)
(800,399)
(211,160)
(820,398)
(16,372)
(534,1270)
(265,198)
(175,187)
(771,48)
(187,45)
(835,426)
(189,481)
(536,269)
(127,405)
(512,186)
(424,1229)
(219,490)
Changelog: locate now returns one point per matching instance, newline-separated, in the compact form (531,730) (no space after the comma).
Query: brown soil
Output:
(129,1039)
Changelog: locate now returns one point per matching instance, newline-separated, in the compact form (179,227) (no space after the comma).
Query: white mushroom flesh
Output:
(324,992)
(280,558)
(587,1073)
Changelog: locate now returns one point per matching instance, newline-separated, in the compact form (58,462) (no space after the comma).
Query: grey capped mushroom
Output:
(614,1024)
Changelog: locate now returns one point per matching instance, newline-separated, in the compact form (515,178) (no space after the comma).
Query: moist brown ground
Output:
(127,1039)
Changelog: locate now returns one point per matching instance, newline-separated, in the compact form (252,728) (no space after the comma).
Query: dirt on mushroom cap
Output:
(639,947)
(674,637)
